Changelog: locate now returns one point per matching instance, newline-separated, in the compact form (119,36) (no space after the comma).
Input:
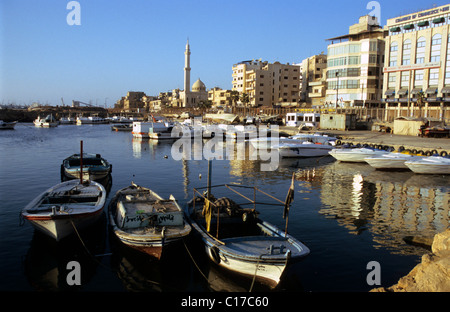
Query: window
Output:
(436,48)
(406,52)
(447,65)
(404,83)
(434,77)
(391,80)
(420,51)
(418,79)
(393,54)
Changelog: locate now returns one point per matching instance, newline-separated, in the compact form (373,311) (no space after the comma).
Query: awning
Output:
(416,91)
(431,91)
(445,90)
(410,26)
(389,92)
(395,29)
(422,24)
(403,91)
(438,20)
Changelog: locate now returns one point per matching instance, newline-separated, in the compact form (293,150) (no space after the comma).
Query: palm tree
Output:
(420,101)
(245,99)
(234,95)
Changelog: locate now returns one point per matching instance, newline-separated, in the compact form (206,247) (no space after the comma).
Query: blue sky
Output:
(138,45)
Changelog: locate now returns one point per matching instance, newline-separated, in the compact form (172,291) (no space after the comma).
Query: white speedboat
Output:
(270,142)
(143,220)
(48,122)
(355,154)
(315,138)
(91,120)
(430,165)
(304,149)
(66,207)
(391,161)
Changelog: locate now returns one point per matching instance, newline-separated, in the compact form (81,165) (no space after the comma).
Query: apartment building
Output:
(313,80)
(354,65)
(267,84)
(219,97)
(418,60)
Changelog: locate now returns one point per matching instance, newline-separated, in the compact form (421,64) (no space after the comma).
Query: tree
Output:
(245,99)
(234,95)
(420,101)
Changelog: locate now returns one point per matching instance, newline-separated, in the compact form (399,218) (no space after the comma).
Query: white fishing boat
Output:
(66,207)
(162,130)
(430,165)
(7,125)
(355,154)
(316,138)
(91,120)
(67,121)
(235,238)
(143,220)
(270,142)
(48,122)
(304,149)
(391,161)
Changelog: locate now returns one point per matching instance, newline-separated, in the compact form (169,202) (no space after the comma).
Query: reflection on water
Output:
(390,205)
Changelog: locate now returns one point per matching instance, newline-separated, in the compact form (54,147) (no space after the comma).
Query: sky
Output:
(138,45)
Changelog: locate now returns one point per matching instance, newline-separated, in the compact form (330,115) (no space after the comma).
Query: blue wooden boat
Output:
(236,239)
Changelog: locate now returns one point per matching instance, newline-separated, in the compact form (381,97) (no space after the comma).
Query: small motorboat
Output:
(93,166)
(7,125)
(48,122)
(66,207)
(355,154)
(430,165)
(391,161)
(303,149)
(145,221)
(236,239)
(122,127)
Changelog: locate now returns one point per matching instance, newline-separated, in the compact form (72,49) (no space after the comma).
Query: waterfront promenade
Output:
(383,138)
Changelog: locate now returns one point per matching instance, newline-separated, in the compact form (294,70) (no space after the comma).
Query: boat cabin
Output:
(297,119)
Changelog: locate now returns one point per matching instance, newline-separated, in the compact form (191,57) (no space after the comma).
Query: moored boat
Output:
(391,161)
(91,120)
(304,149)
(66,207)
(92,166)
(143,220)
(7,125)
(122,127)
(355,154)
(430,165)
(48,122)
(236,239)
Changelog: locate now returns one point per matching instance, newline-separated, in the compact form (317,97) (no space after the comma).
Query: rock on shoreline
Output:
(432,274)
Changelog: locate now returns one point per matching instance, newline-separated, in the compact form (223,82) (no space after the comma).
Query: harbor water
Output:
(349,215)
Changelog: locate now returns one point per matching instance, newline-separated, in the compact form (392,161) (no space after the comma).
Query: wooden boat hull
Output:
(94,167)
(7,125)
(61,219)
(153,237)
(243,255)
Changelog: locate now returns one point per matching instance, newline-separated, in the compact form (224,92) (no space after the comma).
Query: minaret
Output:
(187,74)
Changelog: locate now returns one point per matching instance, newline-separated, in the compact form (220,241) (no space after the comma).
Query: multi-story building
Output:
(267,84)
(417,71)
(354,65)
(219,97)
(313,80)
(133,102)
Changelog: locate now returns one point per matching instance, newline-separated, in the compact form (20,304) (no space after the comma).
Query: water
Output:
(347,214)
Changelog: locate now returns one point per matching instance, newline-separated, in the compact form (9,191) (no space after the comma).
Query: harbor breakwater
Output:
(432,274)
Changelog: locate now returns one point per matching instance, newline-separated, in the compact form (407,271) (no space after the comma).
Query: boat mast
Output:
(81,162)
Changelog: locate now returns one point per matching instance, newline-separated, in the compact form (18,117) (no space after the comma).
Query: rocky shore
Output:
(432,274)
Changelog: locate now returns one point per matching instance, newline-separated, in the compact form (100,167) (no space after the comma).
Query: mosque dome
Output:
(198,86)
